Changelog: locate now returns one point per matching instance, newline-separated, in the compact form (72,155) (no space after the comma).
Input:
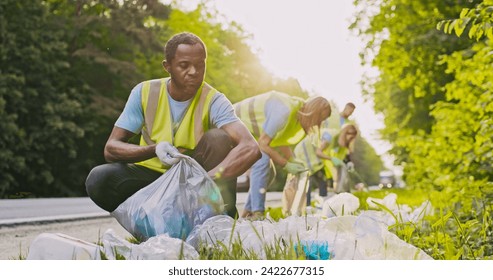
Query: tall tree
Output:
(66,70)
(42,107)
(112,45)
(405,47)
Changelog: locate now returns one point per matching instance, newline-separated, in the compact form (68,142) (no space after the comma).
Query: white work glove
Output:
(167,153)
(337,162)
(350,166)
(294,167)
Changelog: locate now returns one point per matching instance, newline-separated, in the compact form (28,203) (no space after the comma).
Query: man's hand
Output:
(294,167)
(337,162)
(167,153)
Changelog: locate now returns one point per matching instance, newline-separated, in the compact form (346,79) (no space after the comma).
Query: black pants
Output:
(110,184)
(318,179)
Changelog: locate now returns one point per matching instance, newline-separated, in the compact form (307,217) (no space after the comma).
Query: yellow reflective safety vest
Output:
(251,112)
(158,126)
(306,151)
(334,150)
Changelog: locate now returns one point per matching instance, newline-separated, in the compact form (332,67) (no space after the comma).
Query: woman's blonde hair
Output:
(314,111)
(346,129)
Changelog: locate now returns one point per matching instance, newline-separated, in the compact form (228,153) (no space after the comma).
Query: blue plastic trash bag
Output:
(183,197)
(314,249)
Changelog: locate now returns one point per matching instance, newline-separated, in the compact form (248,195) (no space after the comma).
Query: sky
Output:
(309,40)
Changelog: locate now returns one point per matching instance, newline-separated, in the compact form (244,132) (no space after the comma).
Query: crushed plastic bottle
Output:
(314,249)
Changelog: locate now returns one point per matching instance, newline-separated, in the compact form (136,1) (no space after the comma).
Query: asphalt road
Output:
(45,210)
(22,220)
(35,210)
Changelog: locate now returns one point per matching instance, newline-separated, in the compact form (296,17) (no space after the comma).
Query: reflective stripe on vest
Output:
(251,112)
(306,150)
(158,125)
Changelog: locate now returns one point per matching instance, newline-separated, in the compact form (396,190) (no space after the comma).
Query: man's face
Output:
(187,70)
(348,111)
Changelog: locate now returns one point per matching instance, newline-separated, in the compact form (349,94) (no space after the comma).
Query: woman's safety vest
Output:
(158,126)
(251,112)
(334,150)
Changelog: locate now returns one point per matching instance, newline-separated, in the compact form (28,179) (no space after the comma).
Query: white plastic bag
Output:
(183,197)
(340,204)
(161,247)
(294,194)
(338,238)
(342,183)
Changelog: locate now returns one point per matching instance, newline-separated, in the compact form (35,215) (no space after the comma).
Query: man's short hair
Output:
(351,104)
(186,38)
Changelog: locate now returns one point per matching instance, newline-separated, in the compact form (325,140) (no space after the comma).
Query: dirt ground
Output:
(15,241)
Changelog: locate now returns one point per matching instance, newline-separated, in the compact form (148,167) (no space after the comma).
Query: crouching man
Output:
(182,114)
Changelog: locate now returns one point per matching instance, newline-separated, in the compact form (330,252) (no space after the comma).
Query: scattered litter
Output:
(400,212)
(161,247)
(348,237)
(314,249)
(319,237)
(340,204)
(58,246)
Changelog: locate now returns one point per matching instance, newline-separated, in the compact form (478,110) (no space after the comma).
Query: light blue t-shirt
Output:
(221,111)
(276,116)
(342,121)
(327,136)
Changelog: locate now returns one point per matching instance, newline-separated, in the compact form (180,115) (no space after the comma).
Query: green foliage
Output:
(43,106)
(453,232)
(451,235)
(435,93)
(479,20)
(66,69)
(403,45)
(463,125)
(366,162)
(275,213)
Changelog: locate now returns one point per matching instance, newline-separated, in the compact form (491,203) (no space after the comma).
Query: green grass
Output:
(280,250)
(452,233)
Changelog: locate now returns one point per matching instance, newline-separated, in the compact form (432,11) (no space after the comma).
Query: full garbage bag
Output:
(180,199)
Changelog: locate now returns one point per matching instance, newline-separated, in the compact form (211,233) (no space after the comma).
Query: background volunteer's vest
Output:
(306,151)
(158,124)
(251,112)
(334,150)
